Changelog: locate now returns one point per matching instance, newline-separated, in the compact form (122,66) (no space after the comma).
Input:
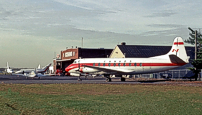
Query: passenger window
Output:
(93,64)
(109,64)
(119,64)
(114,64)
(140,64)
(129,64)
(135,64)
(103,64)
(98,64)
(124,64)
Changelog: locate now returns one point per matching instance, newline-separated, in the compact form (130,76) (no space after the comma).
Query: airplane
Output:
(124,67)
(27,71)
(32,75)
(8,70)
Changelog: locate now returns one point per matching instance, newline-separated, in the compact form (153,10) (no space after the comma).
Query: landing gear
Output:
(79,78)
(108,79)
(123,79)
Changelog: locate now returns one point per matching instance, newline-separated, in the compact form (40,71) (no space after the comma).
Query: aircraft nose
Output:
(67,69)
(70,68)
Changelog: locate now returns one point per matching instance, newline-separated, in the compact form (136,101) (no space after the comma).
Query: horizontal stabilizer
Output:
(175,59)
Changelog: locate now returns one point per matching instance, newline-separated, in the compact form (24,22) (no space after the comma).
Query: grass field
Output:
(105,99)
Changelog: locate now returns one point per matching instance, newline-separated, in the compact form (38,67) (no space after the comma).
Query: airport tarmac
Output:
(13,79)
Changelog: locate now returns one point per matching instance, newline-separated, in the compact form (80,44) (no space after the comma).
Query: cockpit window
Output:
(74,61)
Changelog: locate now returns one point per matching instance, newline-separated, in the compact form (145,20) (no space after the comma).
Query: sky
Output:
(33,31)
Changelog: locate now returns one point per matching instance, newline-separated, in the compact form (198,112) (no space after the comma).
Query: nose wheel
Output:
(79,78)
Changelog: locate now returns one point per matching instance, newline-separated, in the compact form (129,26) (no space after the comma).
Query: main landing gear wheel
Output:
(123,79)
(107,76)
(79,79)
(108,80)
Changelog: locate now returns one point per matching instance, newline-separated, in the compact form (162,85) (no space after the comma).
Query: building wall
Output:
(69,54)
(54,64)
(117,53)
(94,53)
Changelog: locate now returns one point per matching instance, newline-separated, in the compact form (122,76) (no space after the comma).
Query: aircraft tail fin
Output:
(7,66)
(39,66)
(8,70)
(178,50)
(46,67)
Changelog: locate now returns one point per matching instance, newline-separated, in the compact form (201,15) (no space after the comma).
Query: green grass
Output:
(105,99)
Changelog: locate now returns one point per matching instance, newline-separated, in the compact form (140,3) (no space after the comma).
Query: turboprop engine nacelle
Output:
(88,70)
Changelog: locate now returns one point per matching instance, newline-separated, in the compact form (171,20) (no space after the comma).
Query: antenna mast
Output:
(82,42)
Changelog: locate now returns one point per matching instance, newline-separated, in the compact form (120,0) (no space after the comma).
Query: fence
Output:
(176,74)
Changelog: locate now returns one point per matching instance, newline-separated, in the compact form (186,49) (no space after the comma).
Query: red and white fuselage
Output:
(129,66)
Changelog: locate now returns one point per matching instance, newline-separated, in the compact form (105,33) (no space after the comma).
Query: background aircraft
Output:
(27,71)
(33,74)
(8,70)
(124,67)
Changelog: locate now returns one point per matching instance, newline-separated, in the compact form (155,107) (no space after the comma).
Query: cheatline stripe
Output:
(72,66)
(178,43)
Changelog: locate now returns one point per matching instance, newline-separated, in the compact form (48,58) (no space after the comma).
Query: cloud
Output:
(91,4)
(166,26)
(162,14)
(167,33)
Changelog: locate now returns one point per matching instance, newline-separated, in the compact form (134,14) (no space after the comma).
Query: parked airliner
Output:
(176,57)
(43,70)
(32,73)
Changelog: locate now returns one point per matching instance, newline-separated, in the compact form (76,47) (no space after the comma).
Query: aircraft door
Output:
(79,66)
(142,67)
(135,68)
(150,66)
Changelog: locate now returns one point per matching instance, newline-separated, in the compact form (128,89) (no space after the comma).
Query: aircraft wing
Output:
(106,70)
(19,74)
(31,74)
